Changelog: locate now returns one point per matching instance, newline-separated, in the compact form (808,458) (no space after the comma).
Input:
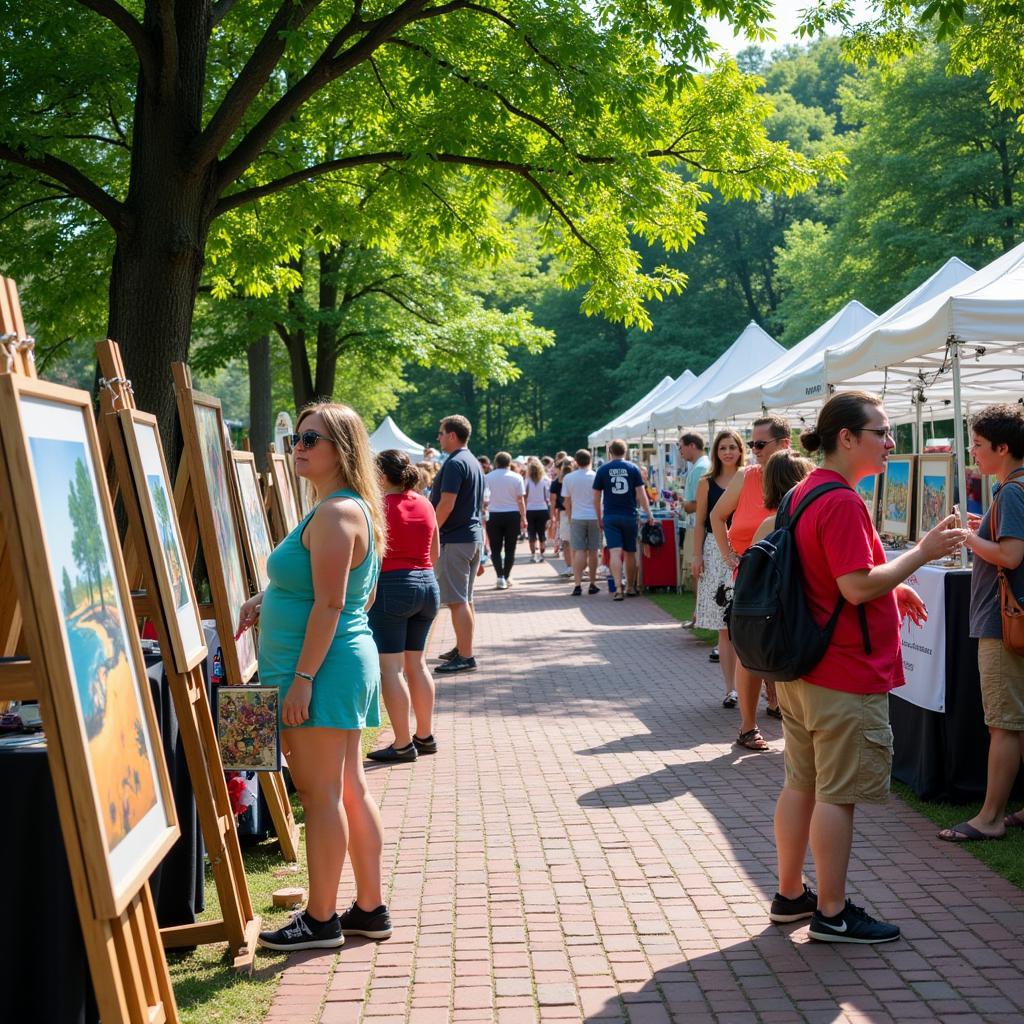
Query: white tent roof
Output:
(806,383)
(753,349)
(747,399)
(608,431)
(387,435)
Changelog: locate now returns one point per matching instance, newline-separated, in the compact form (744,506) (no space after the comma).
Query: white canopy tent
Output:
(610,430)
(746,401)
(751,351)
(387,435)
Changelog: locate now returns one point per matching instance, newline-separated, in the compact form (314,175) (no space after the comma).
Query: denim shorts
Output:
(400,617)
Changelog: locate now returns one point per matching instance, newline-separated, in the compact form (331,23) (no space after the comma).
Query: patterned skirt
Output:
(716,573)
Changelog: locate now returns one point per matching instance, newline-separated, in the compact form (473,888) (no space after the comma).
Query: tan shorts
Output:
(1002,685)
(838,745)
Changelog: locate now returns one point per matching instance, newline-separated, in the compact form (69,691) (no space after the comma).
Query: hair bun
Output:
(811,440)
(410,477)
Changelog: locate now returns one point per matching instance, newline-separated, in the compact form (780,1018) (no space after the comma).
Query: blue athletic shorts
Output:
(620,532)
(406,603)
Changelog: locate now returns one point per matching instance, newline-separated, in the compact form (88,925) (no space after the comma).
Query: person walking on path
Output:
(836,718)
(458,500)
(743,501)
(578,495)
(691,450)
(713,576)
(407,602)
(506,516)
(998,450)
(618,491)
(562,527)
(538,510)
(317,649)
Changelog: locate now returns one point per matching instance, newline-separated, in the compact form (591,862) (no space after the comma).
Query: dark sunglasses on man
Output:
(308,438)
(761,445)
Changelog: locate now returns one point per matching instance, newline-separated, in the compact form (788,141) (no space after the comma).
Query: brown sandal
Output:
(752,740)
(1014,820)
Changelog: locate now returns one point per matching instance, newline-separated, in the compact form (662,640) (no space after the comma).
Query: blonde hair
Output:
(357,468)
(535,469)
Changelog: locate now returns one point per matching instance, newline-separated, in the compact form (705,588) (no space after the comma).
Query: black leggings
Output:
(537,524)
(503,531)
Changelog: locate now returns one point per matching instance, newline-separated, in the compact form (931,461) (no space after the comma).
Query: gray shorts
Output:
(456,572)
(585,535)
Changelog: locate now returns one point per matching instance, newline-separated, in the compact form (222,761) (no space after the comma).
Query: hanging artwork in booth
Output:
(252,518)
(146,458)
(868,491)
(103,708)
(248,729)
(284,504)
(934,491)
(897,497)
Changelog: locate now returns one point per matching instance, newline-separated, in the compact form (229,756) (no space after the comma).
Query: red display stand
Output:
(661,569)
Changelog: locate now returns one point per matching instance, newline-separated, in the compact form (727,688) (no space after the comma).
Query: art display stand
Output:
(196,514)
(119,925)
(281,497)
(238,926)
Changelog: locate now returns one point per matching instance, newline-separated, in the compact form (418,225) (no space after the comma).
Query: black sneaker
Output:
(448,655)
(713,656)
(785,911)
(394,755)
(427,746)
(374,924)
(458,664)
(852,924)
(303,932)
(593,589)
(576,591)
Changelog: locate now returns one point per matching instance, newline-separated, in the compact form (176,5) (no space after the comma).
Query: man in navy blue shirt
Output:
(620,487)
(458,499)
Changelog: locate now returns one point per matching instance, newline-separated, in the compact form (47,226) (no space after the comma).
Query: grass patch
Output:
(681,606)
(1004,856)
(205,986)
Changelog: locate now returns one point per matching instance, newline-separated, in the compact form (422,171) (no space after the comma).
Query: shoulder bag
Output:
(1010,610)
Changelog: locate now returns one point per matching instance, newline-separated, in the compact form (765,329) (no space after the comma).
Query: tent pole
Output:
(958,438)
(661,464)
(918,438)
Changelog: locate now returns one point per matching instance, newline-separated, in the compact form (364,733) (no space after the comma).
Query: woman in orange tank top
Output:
(744,501)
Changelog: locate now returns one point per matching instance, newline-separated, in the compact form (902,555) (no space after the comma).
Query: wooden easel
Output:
(281,500)
(121,936)
(237,925)
(195,514)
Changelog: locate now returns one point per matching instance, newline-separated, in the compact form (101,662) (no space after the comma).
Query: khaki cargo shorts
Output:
(838,745)
(1002,685)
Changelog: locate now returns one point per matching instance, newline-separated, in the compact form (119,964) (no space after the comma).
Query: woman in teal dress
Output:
(317,648)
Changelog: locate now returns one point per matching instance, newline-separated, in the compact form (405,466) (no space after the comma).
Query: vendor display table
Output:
(660,566)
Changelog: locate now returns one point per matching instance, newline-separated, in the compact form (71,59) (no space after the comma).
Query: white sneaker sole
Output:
(368,934)
(790,918)
(837,937)
(288,947)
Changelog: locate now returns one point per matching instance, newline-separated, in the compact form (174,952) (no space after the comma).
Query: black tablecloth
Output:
(41,950)
(943,756)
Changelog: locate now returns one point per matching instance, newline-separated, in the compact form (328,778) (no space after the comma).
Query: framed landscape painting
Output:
(897,492)
(284,504)
(868,490)
(146,457)
(253,519)
(934,490)
(92,665)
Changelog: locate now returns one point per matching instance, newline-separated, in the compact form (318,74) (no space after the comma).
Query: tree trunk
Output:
(261,419)
(327,329)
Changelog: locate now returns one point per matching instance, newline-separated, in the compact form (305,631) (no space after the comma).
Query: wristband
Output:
(303,675)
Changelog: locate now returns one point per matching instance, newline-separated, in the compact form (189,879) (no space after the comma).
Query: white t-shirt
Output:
(504,486)
(538,495)
(578,486)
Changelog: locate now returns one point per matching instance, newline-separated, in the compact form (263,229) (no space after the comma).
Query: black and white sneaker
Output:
(784,911)
(852,924)
(425,746)
(374,924)
(304,932)
(458,664)
(448,655)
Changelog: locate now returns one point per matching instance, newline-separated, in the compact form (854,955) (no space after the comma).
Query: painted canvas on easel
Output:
(896,496)
(934,491)
(867,488)
(255,531)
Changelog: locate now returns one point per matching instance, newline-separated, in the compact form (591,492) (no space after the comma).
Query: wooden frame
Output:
(897,516)
(207,466)
(934,491)
(252,518)
(868,488)
(249,742)
(284,506)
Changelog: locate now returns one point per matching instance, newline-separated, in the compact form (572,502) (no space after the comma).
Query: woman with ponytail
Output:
(408,599)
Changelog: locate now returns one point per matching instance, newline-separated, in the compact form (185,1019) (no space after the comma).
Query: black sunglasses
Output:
(308,438)
(761,445)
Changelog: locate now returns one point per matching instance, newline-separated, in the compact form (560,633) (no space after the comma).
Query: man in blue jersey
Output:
(618,490)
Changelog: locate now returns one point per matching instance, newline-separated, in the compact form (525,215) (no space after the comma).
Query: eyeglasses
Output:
(308,438)
(880,432)
(759,446)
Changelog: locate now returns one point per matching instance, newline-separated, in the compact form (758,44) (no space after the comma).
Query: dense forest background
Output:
(934,171)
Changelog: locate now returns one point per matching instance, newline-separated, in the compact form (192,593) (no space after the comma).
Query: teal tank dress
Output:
(346,688)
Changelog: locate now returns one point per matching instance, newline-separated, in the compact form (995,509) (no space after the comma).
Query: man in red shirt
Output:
(836,718)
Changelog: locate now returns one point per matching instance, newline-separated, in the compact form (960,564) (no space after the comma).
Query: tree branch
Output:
(72,179)
(132,28)
(34,202)
(219,11)
(398,301)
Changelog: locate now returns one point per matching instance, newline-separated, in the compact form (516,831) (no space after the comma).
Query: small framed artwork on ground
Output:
(253,519)
(934,490)
(146,456)
(248,728)
(897,507)
(91,659)
(868,490)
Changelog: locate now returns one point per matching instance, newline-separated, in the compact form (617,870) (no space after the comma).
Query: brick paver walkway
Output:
(589,845)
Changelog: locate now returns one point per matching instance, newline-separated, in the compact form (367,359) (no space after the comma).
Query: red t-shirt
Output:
(411,525)
(833,537)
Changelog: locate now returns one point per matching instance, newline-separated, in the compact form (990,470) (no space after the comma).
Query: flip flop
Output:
(1014,820)
(965,832)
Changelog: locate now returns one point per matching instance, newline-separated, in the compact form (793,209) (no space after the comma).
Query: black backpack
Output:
(770,625)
